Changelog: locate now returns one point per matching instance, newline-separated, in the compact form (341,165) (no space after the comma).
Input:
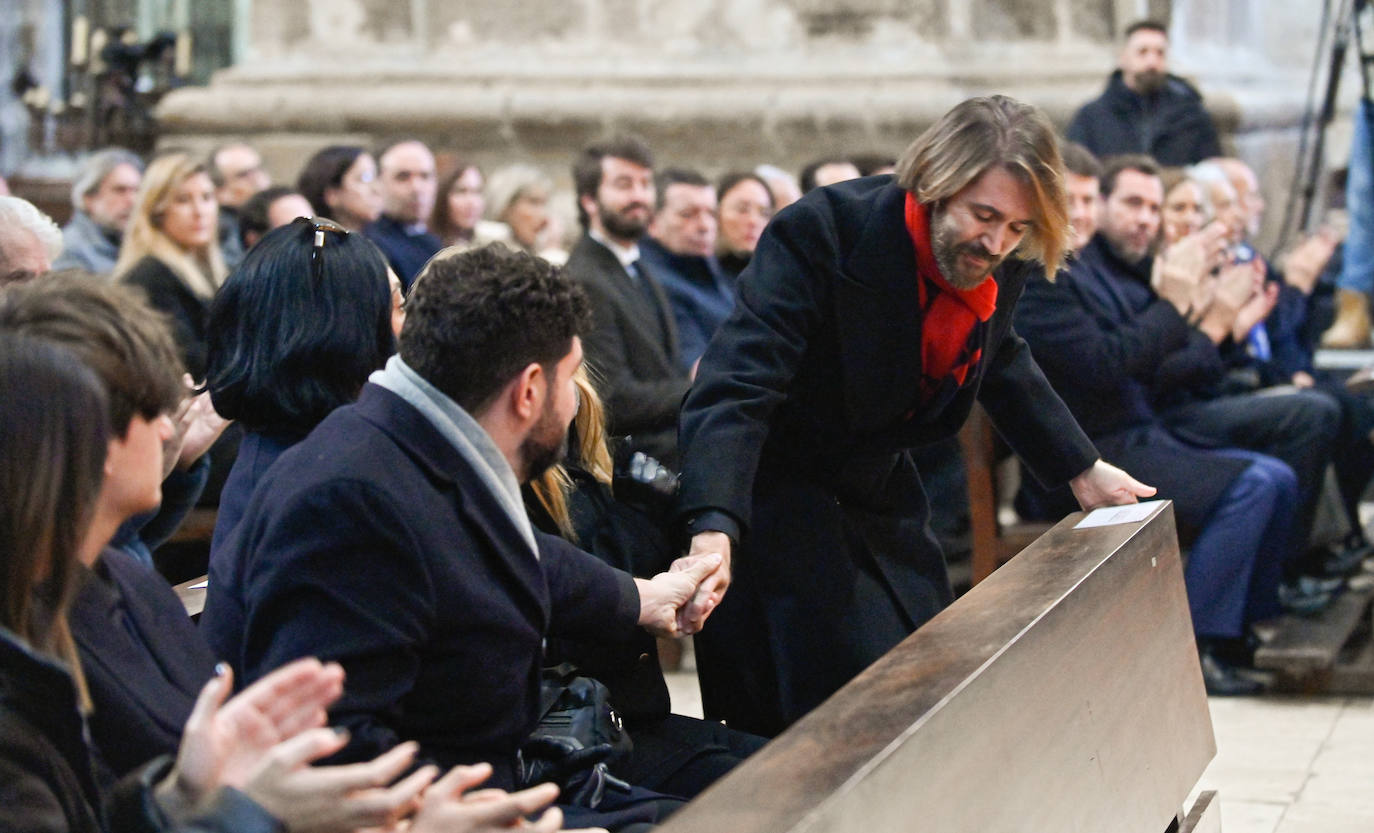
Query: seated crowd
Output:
(451,466)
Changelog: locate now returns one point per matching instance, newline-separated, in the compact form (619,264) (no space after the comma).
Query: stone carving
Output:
(338,22)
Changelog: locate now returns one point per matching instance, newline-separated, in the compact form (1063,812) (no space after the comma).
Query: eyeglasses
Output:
(322,225)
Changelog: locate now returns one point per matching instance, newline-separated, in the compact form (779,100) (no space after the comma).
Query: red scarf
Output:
(948,349)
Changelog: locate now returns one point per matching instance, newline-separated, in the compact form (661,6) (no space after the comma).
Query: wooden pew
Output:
(993,542)
(1061,694)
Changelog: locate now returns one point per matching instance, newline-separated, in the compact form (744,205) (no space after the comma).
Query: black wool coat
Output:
(374,543)
(189,313)
(798,427)
(633,349)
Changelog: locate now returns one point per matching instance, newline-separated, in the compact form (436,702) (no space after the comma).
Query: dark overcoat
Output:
(374,543)
(144,660)
(798,427)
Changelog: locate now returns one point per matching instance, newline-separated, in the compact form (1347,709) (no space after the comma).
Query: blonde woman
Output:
(171,250)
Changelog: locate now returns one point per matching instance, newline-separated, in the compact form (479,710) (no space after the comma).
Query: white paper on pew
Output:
(201,586)
(1111,515)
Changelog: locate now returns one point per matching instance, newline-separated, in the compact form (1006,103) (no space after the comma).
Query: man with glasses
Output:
(237,172)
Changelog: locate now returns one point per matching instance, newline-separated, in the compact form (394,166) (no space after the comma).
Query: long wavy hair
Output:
(201,271)
(53,440)
(996,130)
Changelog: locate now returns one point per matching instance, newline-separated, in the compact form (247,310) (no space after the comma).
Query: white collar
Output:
(625,254)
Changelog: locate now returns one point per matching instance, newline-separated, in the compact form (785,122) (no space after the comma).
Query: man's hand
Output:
(1256,309)
(1106,485)
(1304,264)
(713,589)
(664,608)
(1236,285)
(1179,271)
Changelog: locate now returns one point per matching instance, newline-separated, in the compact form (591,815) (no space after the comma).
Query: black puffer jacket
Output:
(46,782)
(1170,125)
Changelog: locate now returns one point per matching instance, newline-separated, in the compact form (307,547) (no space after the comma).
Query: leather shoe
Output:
(1224,680)
(1298,600)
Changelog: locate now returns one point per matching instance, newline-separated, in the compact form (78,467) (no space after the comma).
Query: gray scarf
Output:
(466,436)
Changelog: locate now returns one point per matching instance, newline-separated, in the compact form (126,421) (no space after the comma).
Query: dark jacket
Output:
(633,348)
(373,542)
(700,293)
(46,779)
(798,427)
(407,251)
(144,660)
(1171,125)
(1100,353)
(189,313)
(258,451)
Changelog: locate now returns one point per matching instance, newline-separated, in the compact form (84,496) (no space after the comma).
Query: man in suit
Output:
(866,326)
(406,173)
(394,540)
(633,344)
(681,252)
(1235,507)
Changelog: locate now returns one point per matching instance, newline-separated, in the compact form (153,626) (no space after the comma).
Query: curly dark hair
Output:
(475,319)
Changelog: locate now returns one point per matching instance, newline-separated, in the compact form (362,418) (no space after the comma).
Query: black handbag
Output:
(578,737)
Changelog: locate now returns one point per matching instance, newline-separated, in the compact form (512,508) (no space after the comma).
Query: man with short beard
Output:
(1145,109)
(394,540)
(633,343)
(872,315)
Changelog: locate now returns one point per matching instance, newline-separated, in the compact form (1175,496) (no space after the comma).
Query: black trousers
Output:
(1299,427)
(682,756)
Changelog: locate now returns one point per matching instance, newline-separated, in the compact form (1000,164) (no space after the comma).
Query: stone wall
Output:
(717,83)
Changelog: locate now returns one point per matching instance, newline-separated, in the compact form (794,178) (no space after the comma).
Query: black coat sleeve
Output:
(750,364)
(1031,417)
(339,576)
(590,599)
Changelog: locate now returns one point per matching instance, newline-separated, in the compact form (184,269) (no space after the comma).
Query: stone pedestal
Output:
(715,84)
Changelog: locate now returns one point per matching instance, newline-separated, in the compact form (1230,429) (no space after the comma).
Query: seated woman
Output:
(59,433)
(294,333)
(518,197)
(672,753)
(457,218)
(171,250)
(340,182)
(746,205)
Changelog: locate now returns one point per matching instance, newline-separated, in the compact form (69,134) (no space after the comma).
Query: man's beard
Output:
(1149,81)
(947,252)
(1120,248)
(545,446)
(620,225)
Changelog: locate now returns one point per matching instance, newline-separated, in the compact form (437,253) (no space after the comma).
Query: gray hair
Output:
(1208,174)
(94,170)
(18,216)
(509,183)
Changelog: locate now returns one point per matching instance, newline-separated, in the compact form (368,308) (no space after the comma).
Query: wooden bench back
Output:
(1061,694)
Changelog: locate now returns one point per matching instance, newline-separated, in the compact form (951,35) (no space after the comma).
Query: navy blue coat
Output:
(144,660)
(372,542)
(798,427)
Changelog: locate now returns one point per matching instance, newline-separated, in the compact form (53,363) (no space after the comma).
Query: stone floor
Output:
(1283,764)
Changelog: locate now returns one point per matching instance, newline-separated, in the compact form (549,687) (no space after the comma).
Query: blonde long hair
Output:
(995,130)
(202,272)
(553,486)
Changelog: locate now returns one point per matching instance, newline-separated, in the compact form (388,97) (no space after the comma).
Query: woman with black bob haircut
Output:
(294,333)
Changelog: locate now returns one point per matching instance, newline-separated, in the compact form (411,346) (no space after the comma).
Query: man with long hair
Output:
(873,315)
